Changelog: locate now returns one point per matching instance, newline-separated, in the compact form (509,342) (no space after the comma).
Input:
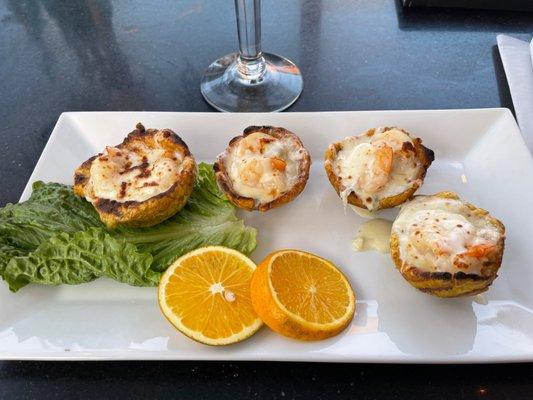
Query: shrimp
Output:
(254,143)
(376,169)
(278,164)
(262,172)
(392,137)
(480,250)
(401,143)
(441,234)
(251,172)
(428,241)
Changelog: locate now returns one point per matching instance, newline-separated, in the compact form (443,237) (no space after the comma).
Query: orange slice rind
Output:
(205,294)
(301,295)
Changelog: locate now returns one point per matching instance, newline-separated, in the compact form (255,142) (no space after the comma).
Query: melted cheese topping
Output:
(134,174)
(263,167)
(377,167)
(442,235)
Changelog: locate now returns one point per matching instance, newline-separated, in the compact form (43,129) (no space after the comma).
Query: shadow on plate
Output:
(424,325)
(501,80)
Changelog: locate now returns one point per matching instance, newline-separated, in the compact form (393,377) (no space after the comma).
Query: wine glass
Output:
(251,81)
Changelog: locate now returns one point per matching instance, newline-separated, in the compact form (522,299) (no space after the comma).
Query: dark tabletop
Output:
(59,55)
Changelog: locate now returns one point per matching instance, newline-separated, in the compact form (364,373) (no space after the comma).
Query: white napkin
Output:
(517,58)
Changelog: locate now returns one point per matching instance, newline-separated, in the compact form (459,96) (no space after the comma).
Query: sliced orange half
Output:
(302,296)
(205,294)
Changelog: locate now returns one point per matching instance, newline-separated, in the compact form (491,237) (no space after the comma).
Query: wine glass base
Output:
(226,89)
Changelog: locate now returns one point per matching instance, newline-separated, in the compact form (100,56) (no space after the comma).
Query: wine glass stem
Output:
(251,64)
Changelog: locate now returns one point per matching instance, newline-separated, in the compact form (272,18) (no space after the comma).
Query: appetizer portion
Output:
(263,168)
(378,169)
(141,182)
(302,296)
(447,247)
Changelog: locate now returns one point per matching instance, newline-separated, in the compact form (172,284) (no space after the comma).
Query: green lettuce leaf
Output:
(7,253)
(52,208)
(81,257)
(56,237)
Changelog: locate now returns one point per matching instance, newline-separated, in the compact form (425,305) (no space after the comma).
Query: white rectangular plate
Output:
(479,154)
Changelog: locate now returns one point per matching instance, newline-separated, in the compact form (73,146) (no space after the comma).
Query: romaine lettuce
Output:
(81,257)
(56,237)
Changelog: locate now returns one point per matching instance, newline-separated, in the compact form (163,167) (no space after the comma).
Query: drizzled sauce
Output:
(363,212)
(373,235)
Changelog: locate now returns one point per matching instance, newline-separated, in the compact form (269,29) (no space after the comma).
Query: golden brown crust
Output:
(445,284)
(154,210)
(425,155)
(247,203)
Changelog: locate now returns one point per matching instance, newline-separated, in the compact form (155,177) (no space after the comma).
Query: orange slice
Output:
(205,294)
(302,296)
